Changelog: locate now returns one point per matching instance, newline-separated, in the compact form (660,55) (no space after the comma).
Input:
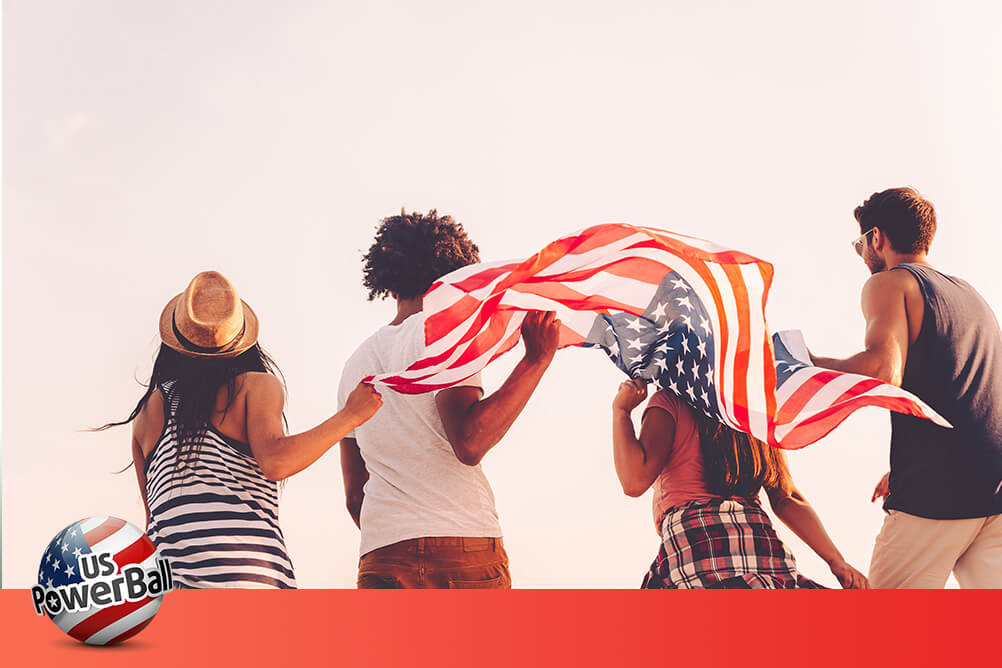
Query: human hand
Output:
(540,334)
(882,489)
(630,395)
(362,403)
(848,576)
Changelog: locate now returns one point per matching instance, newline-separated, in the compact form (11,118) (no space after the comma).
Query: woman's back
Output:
(214,514)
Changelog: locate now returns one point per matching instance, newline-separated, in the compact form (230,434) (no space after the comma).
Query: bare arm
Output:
(474,425)
(797,513)
(355,476)
(886,341)
(638,461)
(280,456)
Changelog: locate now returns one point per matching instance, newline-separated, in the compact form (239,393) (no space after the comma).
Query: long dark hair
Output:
(194,385)
(737,464)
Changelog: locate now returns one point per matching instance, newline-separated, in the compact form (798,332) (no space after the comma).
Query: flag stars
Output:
(659,311)
(684,301)
(634,344)
(673,387)
(77,553)
(687,320)
(55,565)
(661,364)
(679,284)
(692,395)
(69,570)
(635,325)
(685,346)
(709,375)
(679,366)
(695,372)
(705,325)
(706,399)
(702,348)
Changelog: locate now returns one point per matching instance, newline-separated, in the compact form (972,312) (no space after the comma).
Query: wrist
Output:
(538,360)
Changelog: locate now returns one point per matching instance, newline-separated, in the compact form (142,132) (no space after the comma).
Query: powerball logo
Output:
(101,580)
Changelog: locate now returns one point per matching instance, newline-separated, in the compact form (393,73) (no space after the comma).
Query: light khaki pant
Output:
(918,553)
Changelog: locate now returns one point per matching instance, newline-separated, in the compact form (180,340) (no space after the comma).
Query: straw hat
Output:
(209,319)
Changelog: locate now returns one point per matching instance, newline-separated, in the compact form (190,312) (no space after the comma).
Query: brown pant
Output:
(436,563)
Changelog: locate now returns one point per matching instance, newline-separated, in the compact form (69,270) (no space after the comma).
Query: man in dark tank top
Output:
(933,335)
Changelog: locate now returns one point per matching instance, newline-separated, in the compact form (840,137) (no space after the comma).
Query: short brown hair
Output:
(907,218)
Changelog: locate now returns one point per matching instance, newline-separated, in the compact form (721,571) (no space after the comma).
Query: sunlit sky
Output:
(144,142)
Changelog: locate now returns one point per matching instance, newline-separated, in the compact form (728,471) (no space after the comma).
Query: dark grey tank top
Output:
(955,365)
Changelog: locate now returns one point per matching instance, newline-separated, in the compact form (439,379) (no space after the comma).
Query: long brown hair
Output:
(737,464)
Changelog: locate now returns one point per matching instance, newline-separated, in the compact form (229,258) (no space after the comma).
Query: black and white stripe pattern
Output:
(216,516)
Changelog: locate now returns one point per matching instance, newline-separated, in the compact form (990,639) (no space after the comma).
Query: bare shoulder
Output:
(260,383)
(891,285)
(149,422)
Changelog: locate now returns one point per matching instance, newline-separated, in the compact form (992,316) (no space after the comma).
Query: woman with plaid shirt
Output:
(706,479)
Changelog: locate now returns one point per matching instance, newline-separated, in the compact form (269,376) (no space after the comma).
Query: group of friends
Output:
(210,445)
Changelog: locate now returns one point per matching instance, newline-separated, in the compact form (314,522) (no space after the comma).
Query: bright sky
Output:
(144,142)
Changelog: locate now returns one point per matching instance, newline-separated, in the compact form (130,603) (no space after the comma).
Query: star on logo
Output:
(77,553)
(55,565)
(69,570)
(635,325)
(48,583)
(66,547)
(52,600)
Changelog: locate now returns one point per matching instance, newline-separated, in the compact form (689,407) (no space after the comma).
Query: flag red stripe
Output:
(576,301)
(819,425)
(742,354)
(138,552)
(769,356)
(804,393)
(103,530)
(105,617)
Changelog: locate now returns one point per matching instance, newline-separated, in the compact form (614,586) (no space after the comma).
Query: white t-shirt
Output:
(417,487)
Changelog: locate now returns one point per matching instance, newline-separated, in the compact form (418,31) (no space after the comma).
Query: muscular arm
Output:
(886,341)
(280,456)
(474,425)
(355,476)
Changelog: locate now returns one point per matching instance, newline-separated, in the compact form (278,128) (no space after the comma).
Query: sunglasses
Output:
(860,241)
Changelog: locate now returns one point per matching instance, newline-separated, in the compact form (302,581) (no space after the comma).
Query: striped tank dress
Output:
(215,516)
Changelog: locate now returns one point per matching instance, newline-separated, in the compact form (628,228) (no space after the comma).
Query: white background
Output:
(146,141)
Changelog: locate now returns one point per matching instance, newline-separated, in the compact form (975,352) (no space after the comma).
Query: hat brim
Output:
(245,342)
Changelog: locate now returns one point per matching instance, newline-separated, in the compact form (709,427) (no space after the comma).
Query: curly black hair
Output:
(411,251)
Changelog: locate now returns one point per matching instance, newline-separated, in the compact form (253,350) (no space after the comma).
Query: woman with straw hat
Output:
(209,444)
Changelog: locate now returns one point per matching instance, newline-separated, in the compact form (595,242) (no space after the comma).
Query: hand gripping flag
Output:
(679,311)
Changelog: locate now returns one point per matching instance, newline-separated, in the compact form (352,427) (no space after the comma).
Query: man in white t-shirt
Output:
(412,475)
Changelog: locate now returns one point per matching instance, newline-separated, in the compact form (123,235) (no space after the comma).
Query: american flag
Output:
(60,567)
(682,312)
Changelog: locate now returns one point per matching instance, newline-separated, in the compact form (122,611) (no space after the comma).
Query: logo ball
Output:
(101,580)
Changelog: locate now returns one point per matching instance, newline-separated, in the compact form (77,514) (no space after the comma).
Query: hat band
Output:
(195,348)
